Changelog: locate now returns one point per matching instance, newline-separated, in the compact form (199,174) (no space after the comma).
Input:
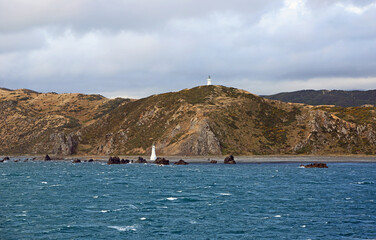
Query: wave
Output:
(125,228)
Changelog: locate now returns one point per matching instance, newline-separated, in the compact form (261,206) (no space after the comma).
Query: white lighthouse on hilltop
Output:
(209,81)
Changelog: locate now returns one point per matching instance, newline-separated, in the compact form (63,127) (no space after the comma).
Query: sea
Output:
(63,200)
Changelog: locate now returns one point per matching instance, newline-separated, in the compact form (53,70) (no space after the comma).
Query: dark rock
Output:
(141,160)
(2,160)
(126,161)
(16,160)
(76,161)
(113,160)
(90,160)
(26,160)
(229,160)
(47,158)
(162,161)
(315,165)
(181,162)
(6,158)
(213,161)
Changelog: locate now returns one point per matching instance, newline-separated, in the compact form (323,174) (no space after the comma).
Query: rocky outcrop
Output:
(141,160)
(113,160)
(315,165)
(229,160)
(181,162)
(64,144)
(213,161)
(76,161)
(47,158)
(162,161)
(5,158)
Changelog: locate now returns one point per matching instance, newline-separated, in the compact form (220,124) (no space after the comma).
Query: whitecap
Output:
(277,216)
(225,194)
(95,196)
(143,219)
(125,228)
(171,198)
(179,191)
(44,182)
(131,206)
(192,222)
(348,198)
(303,226)
(104,211)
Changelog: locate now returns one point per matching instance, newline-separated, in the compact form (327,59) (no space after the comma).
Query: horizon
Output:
(137,49)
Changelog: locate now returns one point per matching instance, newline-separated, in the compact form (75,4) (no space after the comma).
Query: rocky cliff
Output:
(206,120)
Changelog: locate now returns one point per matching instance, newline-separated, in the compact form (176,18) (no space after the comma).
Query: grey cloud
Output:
(134,47)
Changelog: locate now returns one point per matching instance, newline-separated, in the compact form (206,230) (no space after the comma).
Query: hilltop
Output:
(206,120)
(328,97)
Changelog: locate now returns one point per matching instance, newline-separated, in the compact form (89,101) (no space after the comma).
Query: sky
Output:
(136,48)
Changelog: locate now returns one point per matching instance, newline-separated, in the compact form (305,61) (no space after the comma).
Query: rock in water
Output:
(6,158)
(229,160)
(113,160)
(90,160)
(213,161)
(47,158)
(76,161)
(141,160)
(181,162)
(126,161)
(162,161)
(315,165)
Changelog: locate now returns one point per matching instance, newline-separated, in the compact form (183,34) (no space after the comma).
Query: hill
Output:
(206,120)
(326,97)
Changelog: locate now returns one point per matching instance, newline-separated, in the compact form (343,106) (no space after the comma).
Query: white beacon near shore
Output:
(153,156)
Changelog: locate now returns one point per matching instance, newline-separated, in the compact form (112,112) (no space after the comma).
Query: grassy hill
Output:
(326,97)
(206,120)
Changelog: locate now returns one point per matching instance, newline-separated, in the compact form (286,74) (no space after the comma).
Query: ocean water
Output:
(61,200)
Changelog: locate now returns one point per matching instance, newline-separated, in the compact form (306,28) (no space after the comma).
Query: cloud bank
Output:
(138,48)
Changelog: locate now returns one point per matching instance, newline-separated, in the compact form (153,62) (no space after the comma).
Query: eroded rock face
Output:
(64,144)
(229,160)
(202,142)
(181,162)
(162,161)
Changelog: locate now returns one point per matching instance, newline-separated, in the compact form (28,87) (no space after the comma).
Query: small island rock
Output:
(229,160)
(162,161)
(315,165)
(181,162)
(47,158)
(213,161)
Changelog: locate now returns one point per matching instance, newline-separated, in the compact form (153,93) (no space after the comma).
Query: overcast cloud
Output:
(135,48)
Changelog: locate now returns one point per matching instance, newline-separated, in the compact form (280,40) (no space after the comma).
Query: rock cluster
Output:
(229,160)
(213,161)
(315,165)
(162,161)
(76,161)
(115,160)
(141,160)
(181,162)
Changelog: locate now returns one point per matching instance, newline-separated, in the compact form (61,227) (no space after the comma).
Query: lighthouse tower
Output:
(153,156)
(209,81)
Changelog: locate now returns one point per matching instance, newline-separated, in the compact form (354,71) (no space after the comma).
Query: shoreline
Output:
(219,159)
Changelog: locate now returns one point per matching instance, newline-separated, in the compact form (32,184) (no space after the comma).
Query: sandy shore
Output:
(238,159)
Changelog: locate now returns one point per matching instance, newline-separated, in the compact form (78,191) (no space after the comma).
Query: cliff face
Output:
(206,120)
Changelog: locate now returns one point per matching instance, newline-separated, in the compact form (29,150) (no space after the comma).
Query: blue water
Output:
(61,200)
